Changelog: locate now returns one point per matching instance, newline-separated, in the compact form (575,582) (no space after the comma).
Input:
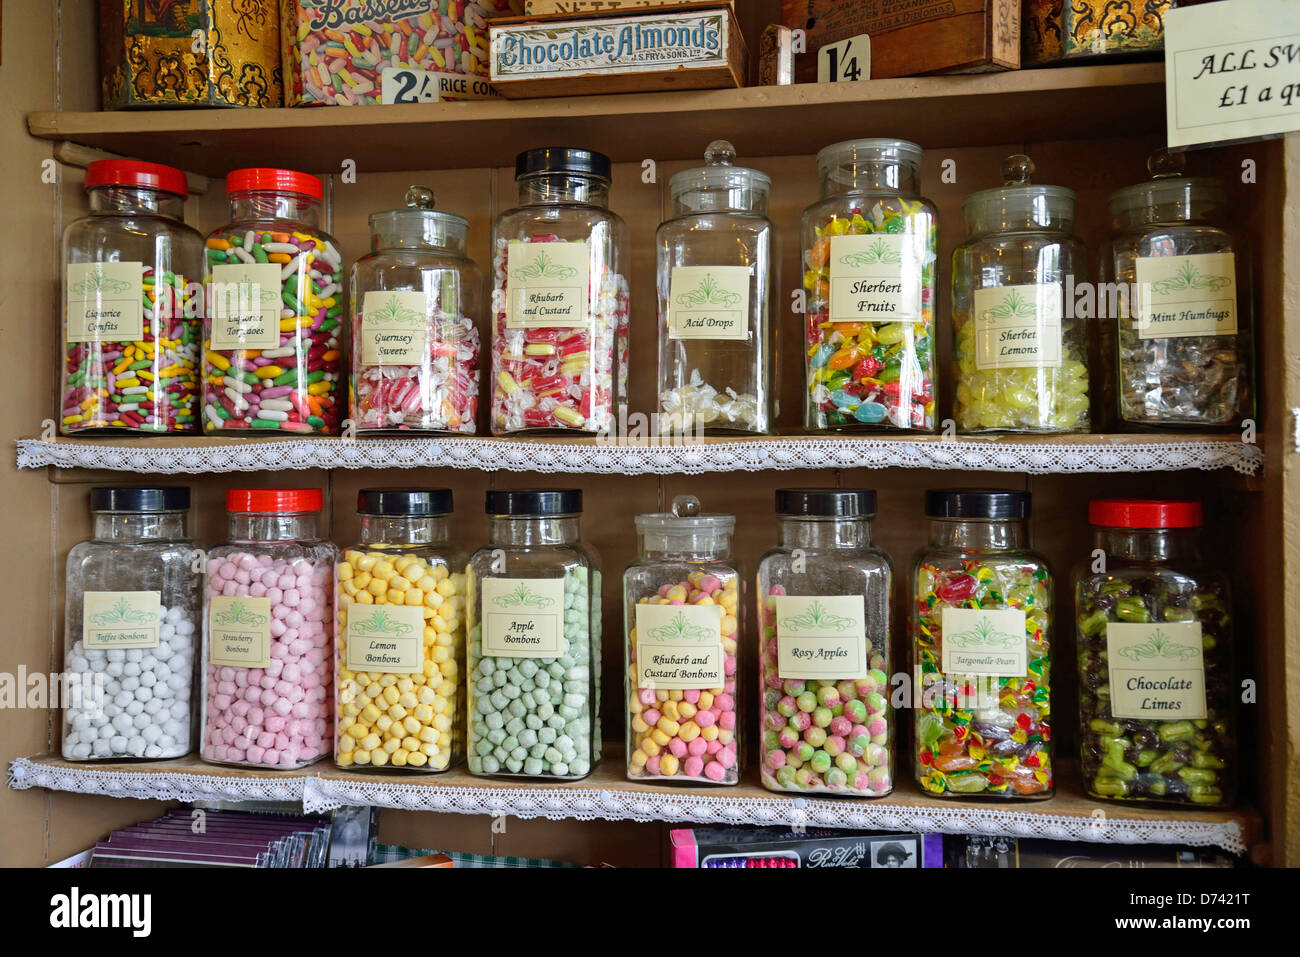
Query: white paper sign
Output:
(844,61)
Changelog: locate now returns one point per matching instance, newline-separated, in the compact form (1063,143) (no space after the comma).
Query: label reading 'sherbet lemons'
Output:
(387,638)
(523,617)
(239,630)
(821,636)
(679,647)
(1018,327)
(546,284)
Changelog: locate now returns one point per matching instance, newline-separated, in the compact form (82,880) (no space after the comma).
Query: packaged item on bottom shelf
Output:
(985,851)
(735,847)
(394,855)
(227,839)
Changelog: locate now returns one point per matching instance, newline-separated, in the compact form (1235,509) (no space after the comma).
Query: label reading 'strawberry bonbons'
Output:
(523,617)
(821,637)
(239,631)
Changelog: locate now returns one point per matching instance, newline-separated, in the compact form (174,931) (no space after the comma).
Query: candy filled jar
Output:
(981,641)
(559,300)
(400,636)
(824,596)
(717,348)
(1183,319)
(130,629)
(1020,356)
(1154,634)
(267,625)
(417,318)
(273,336)
(131,304)
(870,250)
(682,620)
(531,680)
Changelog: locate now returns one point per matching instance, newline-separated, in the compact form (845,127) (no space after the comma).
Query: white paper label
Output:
(1018,327)
(875,278)
(984,641)
(1182,296)
(105,302)
(708,302)
(386,638)
(120,619)
(547,285)
(523,617)
(821,636)
(679,647)
(394,328)
(239,631)
(405,85)
(245,306)
(845,61)
(1157,670)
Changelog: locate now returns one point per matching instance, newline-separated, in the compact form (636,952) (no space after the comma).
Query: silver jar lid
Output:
(719,184)
(418,225)
(1018,204)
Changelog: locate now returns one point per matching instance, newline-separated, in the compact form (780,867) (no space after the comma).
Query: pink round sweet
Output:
(697,747)
(652,764)
(841,726)
(727,757)
(651,716)
(692,696)
(693,766)
(677,747)
(727,721)
(646,696)
(705,718)
(714,771)
(712,747)
(775,759)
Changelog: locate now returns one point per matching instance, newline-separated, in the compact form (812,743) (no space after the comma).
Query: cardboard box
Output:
(911,37)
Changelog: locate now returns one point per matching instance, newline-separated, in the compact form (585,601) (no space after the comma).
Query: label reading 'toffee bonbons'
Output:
(708,302)
(821,636)
(245,306)
(120,619)
(679,647)
(105,302)
(239,631)
(387,638)
(546,284)
(1181,296)
(1018,327)
(1157,670)
(984,641)
(875,278)
(394,328)
(523,617)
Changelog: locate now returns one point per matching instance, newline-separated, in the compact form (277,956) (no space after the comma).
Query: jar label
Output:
(394,328)
(1018,327)
(523,617)
(387,638)
(239,631)
(121,619)
(105,302)
(679,647)
(245,306)
(708,302)
(984,641)
(875,278)
(1181,296)
(1157,670)
(547,285)
(821,636)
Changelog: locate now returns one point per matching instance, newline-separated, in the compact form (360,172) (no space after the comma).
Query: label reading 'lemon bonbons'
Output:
(387,638)
(121,619)
(105,302)
(821,636)
(245,306)
(1157,670)
(394,328)
(679,647)
(239,630)
(523,617)
(546,284)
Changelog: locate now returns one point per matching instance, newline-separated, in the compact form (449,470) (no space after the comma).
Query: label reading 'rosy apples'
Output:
(1157,670)
(1180,296)
(679,647)
(821,636)
(245,306)
(984,641)
(708,302)
(875,278)
(394,328)
(387,638)
(547,285)
(239,630)
(105,302)
(523,617)
(1018,327)
(120,619)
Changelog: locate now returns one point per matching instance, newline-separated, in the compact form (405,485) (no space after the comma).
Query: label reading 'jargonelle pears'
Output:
(1018,327)
(708,302)
(387,638)
(1157,670)
(120,619)
(821,636)
(1181,296)
(875,278)
(394,328)
(679,647)
(547,285)
(523,617)
(239,630)
(245,306)
(984,641)
(105,302)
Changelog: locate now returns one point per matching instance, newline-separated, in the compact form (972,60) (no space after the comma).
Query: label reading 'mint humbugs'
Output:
(821,636)
(1183,296)
(546,284)
(388,638)
(875,278)
(679,647)
(708,302)
(1018,327)
(984,641)
(394,328)
(239,630)
(105,302)
(523,617)
(120,619)
(245,306)
(1157,670)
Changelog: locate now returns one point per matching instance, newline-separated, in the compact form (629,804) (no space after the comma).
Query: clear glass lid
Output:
(685,528)
(418,225)
(870,164)
(1168,196)
(1018,205)
(720,185)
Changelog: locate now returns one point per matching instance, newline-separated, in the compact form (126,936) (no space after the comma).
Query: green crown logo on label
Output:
(121,613)
(521,596)
(382,623)
(708,293)
(679,627)
(1158,645)
(1188,277)
(239,614)
(543,268)
(1013,306)
(983,635)
(878,253)
(394,313)
(816,616)
(97,282)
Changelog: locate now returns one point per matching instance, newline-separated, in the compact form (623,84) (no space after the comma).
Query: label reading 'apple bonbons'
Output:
(523,617)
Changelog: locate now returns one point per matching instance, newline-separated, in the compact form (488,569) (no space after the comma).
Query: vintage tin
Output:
(1082,29)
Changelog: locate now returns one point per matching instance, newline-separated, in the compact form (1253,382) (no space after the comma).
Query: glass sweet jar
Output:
(130,629)
(400,635)
(273,337)
(682,620)
(1020,355)
(131,304)
(417,322)
(981,642)
(824,595)
(870,252)
(559,299)
(717,294)
(1154,635)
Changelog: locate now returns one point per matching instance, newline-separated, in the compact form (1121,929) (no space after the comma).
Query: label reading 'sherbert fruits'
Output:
(679,647)
(708,302)
(523,617)
(105,302)
(546,285)
(394,328)
(245,306)
(387,638)
(1157,670)
(821,636)
(121,619)
(1181,296)
(875,278)
(239,630)
(1018,327)
(984,641)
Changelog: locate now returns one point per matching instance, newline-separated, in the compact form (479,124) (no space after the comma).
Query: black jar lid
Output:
(976,503)
(404,502)
(562,159)
(826,502)
(533,501)
(136,498)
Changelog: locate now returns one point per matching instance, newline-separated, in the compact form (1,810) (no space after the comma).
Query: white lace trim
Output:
(613,804)
(589,456)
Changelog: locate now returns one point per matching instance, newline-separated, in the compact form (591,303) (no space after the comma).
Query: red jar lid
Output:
(274,181)
(116,172)
(274,500)
(1144,513)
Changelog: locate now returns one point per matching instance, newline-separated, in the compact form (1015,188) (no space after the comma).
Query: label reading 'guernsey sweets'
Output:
(1157,670)
(821,636)
(679,647)
(120,619)
(239,631)
(1018,327)
(387,638)
(708,302)
(245,306)
(875,278)
(523,617)
(105,302)
(547,285)
(1180,296)
(984,641)
(394,328)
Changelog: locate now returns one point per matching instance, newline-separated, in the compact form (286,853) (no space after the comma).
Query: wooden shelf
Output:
(1053,104)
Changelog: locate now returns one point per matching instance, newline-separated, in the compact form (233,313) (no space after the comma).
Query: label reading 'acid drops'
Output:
(105,302)
(1157,670)
(1181,296)
(821,636)
(1018,327)
(245,306)
(984,641)
(547,285)
(239,630)
(708,302)
(679,647)
(875,278)
(523,617)
(387,638)
(394,328)
(121,619)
